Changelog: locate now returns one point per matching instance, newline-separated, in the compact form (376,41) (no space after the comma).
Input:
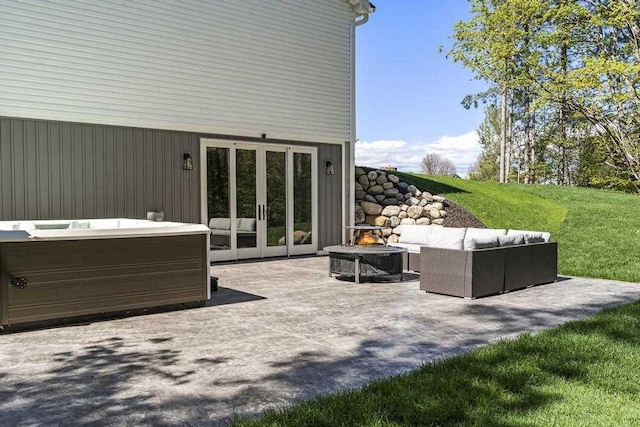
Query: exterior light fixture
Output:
(187,161)
(329,168)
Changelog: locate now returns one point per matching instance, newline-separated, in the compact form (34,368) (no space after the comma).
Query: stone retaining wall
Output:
(383,199)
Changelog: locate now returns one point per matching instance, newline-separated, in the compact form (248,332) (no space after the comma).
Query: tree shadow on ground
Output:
(434,187)
(120,382)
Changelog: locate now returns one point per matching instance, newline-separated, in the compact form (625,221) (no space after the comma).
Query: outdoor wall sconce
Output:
(187,162)
(329,168)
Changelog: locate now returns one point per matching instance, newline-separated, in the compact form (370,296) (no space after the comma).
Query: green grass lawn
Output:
(598,231)
(582,373)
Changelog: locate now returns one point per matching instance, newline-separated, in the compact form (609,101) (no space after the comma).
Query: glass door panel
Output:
(302,191)
(275,168)
(246,199)
(218,197)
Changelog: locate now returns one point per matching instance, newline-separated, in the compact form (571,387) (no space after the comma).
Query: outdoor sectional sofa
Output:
(473,262)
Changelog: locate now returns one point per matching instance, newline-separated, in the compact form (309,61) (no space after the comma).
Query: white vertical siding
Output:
(280,67)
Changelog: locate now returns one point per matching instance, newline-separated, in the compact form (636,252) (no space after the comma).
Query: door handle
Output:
(264,212)
(259,212)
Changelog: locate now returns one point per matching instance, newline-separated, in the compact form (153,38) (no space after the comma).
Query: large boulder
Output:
(360,215)
(381,179)
(391,211)
(397,230)
(423,221)
(403,215)
(364,182)
(358,186)
(370,198)
(413,201)
(372,176)
(360,195)
(371,208)
(414,212)
(380,198)
(438,198)
(423,202)
(400,197)
(438,221)
(391,192)
(393,178)
(390,201)
(394,221)
(387,185)
(443,213)
(378,220)
(411,189)
(393,239)
(376,189)
(434,213)
(402,186)
(359,172)
(408,221)
(438,205)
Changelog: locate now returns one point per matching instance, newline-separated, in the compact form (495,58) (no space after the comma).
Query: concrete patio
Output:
(276,332)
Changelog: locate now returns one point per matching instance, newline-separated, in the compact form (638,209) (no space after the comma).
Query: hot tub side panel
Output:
(75,278)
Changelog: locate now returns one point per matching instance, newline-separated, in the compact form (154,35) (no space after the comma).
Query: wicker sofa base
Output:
(474,274)
(411,261)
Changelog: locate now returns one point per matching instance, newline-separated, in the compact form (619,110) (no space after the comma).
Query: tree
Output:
(435,164)
(487,167)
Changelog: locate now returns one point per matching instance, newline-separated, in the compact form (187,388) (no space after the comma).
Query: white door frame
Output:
(262,250)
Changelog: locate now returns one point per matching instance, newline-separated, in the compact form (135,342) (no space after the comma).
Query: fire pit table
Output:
(369,261)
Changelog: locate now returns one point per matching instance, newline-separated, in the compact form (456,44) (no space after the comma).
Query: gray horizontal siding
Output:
(61,170)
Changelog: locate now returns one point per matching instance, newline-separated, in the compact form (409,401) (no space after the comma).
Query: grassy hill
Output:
(598,231)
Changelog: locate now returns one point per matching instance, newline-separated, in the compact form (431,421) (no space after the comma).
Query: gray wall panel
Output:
(58,170)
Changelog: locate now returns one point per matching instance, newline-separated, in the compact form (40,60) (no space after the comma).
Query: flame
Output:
(368,239)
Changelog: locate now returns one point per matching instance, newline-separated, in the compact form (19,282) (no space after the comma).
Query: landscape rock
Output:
(408,221)
(364,182)
(391,192)
(417,193)
(414,212)
(438,206)
(394,221)
(443,213)
(438,221)
(404,207)
(381,179)
(372,176)
(360,195)
(376,189)
(397,230)
(393,178)
(358,186)
(434,213)
(403,215)
(390,201)
(391,211)
(427,195)
(408,196)
(380,197)
(411,189)
(387,185)
(378,220)
(359,172)
(438,198)
(423,221)
(392,239)
(423,202)
(360,214)
(413,201)
(400,196)
(402,186)
(370,198)
(371,208)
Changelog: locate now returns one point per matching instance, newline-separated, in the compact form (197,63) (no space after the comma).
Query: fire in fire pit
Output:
(368,238)
(367,235)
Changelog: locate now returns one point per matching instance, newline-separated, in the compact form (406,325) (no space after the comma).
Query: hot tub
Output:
(63,269)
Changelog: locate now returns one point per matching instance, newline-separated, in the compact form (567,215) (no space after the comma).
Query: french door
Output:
(259,200)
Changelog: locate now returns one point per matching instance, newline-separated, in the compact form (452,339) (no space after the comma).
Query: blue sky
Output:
(408,94)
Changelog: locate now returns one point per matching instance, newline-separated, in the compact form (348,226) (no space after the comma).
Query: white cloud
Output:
(462,150)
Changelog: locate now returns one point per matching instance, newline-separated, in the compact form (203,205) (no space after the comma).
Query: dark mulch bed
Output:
(457,216)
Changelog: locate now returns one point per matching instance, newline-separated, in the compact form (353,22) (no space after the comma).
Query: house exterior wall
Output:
(226,67)
(63,170)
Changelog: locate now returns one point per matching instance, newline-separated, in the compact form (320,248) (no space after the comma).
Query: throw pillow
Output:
(512,240)
(482,243)
(481,233)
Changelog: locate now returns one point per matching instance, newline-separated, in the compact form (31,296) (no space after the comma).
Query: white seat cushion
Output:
(415,234)
(410,247)
(481,233)
(532,236)
(447,238)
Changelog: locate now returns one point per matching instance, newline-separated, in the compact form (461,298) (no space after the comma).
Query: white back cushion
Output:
(530,236)
(416,234)
(220,223)
(447,238)
(481,233)
(246,224)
